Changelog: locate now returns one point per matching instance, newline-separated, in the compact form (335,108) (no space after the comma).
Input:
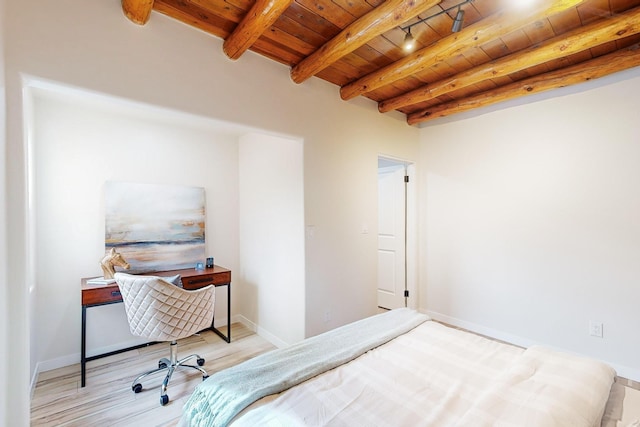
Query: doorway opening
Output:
(396,228)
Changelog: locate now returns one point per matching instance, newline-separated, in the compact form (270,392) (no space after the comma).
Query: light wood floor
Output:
(107,399)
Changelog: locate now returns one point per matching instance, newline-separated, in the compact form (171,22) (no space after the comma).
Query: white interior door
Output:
(391,236)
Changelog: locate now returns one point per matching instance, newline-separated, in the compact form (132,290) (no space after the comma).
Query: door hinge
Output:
(406,178)
(406,294)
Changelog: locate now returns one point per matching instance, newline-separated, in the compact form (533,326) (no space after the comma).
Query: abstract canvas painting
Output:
(155,227)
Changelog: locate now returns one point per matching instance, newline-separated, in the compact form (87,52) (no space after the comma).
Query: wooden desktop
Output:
(93,296)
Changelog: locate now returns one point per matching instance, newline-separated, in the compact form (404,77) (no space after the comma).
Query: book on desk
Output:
(99,281)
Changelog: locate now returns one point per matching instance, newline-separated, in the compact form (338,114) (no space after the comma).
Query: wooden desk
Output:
(93,296)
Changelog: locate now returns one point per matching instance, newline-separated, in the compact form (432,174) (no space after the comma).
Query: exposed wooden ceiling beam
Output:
(388,15)
(260,17)
(137,11)
(488,29)
(579,73)
(604,31)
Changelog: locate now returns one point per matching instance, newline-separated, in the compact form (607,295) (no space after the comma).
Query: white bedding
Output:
(439,376)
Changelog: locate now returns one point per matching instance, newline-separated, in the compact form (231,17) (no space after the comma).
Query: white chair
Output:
(161,311)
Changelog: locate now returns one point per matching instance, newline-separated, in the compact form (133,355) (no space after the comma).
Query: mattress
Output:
(434,375)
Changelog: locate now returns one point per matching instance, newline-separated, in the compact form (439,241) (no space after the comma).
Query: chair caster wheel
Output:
(204,377)
(200,362)
(162,365)
(137,388)
(164,399)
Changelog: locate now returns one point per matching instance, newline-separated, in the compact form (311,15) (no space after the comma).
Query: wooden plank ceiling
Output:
(506,48)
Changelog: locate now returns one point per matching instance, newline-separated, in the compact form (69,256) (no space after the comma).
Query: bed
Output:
(401,369)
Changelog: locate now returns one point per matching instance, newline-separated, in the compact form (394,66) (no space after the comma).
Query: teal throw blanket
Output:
(222,396)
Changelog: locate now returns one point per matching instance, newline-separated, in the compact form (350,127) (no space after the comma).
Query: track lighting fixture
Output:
(457,23)
(409,41)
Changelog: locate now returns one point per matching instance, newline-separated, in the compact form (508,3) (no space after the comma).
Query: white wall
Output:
(91,45)
(5,353)
(531,222)
(272,235)
(16,405)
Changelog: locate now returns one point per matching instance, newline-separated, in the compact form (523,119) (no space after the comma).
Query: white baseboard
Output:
(246,322)
(622,371)
(262,332)
(34,380)
(482,330)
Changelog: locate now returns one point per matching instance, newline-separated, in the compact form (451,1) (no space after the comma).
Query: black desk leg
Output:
(214,329)
(229,313)
(83,347)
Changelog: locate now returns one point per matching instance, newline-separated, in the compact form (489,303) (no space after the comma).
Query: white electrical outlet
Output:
(595,329)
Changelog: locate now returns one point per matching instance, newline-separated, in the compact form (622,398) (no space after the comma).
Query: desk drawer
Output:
(101,295)
(202,280)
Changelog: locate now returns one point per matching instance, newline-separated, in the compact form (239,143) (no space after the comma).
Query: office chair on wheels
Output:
(161,311)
